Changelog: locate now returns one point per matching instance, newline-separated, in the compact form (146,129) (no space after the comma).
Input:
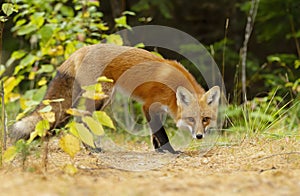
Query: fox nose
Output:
(199,136)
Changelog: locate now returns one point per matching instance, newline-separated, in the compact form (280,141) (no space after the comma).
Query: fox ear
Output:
(212,96)
(183,96)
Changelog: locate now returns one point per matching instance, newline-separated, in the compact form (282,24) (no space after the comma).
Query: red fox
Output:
(161,85)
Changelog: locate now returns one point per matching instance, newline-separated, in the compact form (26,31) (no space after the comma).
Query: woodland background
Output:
(37,36)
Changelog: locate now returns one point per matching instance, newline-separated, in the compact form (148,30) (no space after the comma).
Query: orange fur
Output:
(136,64)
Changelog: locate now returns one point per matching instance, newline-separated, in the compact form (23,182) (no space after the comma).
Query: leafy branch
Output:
(7,9)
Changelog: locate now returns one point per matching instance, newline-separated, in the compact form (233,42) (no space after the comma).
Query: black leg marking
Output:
(159,136)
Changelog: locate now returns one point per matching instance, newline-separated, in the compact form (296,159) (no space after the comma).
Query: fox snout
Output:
(199,136)
(207,130)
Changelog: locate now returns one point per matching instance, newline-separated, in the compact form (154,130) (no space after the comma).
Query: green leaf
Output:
(164,7)
(72,128)
(46,33)
(37,19)
(67,11)
(27,29)
(272,58)
(95,3)
(93,125)
(141,5)
(104,119)
(39,93)
(19,23)
(128,13)
(297,64)
(3,19)
(27,61)
(47,108)
(84,134)
(122,22)
(42,127)
(7,8)
(140,45)
(45,69)
(70,144)
(18,54)
(114,39)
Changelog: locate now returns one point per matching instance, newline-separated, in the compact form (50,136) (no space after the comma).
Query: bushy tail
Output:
(60,87)
(23,128)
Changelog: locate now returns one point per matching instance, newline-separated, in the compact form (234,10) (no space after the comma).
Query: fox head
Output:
(197,113)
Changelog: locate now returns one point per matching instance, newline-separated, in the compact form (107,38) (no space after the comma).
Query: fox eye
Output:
(205,120)
(190,119)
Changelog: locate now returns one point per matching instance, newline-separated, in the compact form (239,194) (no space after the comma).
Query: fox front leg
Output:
(160,139)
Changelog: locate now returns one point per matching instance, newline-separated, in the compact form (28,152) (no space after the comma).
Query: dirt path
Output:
(256,167)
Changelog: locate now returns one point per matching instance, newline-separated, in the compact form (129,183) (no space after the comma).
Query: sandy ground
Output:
(253,167)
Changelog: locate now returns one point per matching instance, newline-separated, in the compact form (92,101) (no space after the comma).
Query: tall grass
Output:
(268,116)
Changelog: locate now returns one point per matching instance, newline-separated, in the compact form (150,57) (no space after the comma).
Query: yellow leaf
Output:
(61,36)
(70,48)
(95,87)
(76,112)
(86,15)
(48,101)
(70,169)
(59,50)
(31,75)
(23,103)
(70,144)
(93,125)
(10,154)
(20,116)
(104,79)
(49,116)
(94,95)
(13,96)
(102,27)
(104,119)
(10,84)
(33,135)
(42,82)
(41,129)
(84,134)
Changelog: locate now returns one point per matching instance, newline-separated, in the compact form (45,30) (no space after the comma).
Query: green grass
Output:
(268,116)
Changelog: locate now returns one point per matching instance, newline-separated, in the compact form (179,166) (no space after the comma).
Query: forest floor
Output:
(254,167)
